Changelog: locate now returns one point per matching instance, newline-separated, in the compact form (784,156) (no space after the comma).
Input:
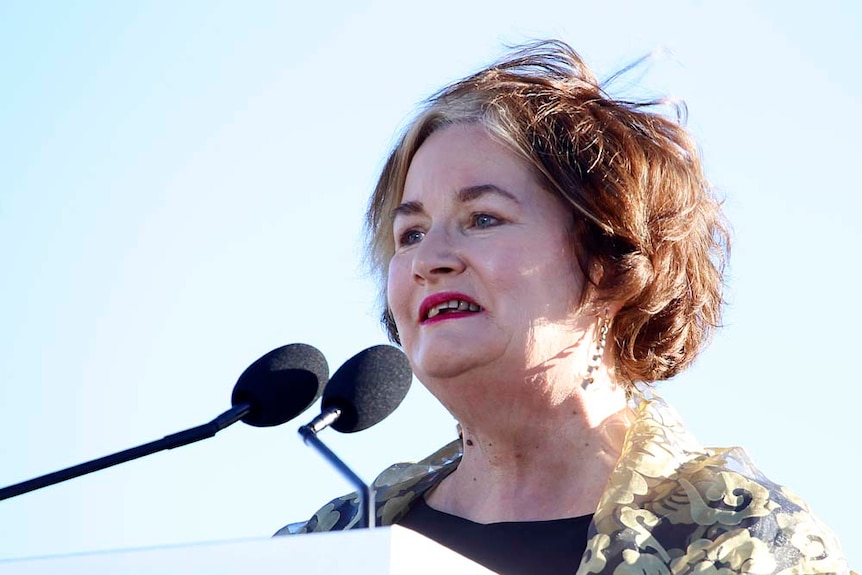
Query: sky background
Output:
(182,187)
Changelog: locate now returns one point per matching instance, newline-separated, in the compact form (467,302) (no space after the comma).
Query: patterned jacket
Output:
(671,507)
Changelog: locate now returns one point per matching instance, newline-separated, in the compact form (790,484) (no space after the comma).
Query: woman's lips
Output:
(447,305)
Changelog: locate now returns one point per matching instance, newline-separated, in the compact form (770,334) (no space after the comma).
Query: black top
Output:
(509,548)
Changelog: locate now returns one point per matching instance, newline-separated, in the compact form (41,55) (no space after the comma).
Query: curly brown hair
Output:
(647,229)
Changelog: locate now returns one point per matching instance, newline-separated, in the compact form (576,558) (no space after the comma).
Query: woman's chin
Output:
(452,353)
(451,360)
(442,366)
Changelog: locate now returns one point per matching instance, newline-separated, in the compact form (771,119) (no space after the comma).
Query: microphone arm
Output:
(366,494)
(191,435)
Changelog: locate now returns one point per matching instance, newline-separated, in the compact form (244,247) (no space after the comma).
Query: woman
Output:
(549,253)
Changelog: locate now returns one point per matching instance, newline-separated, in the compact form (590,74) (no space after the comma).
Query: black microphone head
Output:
(281,384)
(368,387)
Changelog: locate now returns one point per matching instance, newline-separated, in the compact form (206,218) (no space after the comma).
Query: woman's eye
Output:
(485,221)
(410,237)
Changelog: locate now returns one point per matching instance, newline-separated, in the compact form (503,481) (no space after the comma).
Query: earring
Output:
(596,360)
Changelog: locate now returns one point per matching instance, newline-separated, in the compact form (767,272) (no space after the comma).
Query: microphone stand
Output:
(191,435)
(366,494)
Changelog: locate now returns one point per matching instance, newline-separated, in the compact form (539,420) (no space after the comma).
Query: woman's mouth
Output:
(450,306)
(447,305)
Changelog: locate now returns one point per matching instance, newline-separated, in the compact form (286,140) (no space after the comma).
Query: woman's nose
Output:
(436,256)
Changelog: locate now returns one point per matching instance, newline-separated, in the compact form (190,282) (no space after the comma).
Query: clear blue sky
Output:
(182,187)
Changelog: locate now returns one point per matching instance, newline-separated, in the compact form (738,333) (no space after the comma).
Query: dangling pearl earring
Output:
(596,360)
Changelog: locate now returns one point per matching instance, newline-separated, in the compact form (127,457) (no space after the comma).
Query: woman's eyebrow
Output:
(464,196)
(471,193)
(407,209)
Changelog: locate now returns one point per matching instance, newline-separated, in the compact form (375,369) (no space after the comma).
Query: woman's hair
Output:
(647,231)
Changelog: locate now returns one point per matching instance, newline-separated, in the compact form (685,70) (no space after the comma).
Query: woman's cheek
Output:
(397,291)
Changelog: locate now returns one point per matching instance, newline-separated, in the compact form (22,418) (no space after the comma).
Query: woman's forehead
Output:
(466,161)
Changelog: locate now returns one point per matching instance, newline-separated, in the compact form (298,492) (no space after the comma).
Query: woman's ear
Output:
(598,291)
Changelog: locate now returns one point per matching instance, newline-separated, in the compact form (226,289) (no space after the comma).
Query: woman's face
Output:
(483,276)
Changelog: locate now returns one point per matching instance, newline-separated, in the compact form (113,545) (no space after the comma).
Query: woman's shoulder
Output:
(395,489)
(674,503)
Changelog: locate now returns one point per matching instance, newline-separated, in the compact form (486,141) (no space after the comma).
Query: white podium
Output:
(380,551)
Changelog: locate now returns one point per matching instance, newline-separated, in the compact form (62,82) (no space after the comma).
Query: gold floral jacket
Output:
(671,507)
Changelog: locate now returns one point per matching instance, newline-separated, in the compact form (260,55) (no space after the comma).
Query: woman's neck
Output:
(552,467)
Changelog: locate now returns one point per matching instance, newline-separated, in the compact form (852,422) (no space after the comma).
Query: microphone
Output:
(271,391)
(365,390)
(281,384)
(362,392)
